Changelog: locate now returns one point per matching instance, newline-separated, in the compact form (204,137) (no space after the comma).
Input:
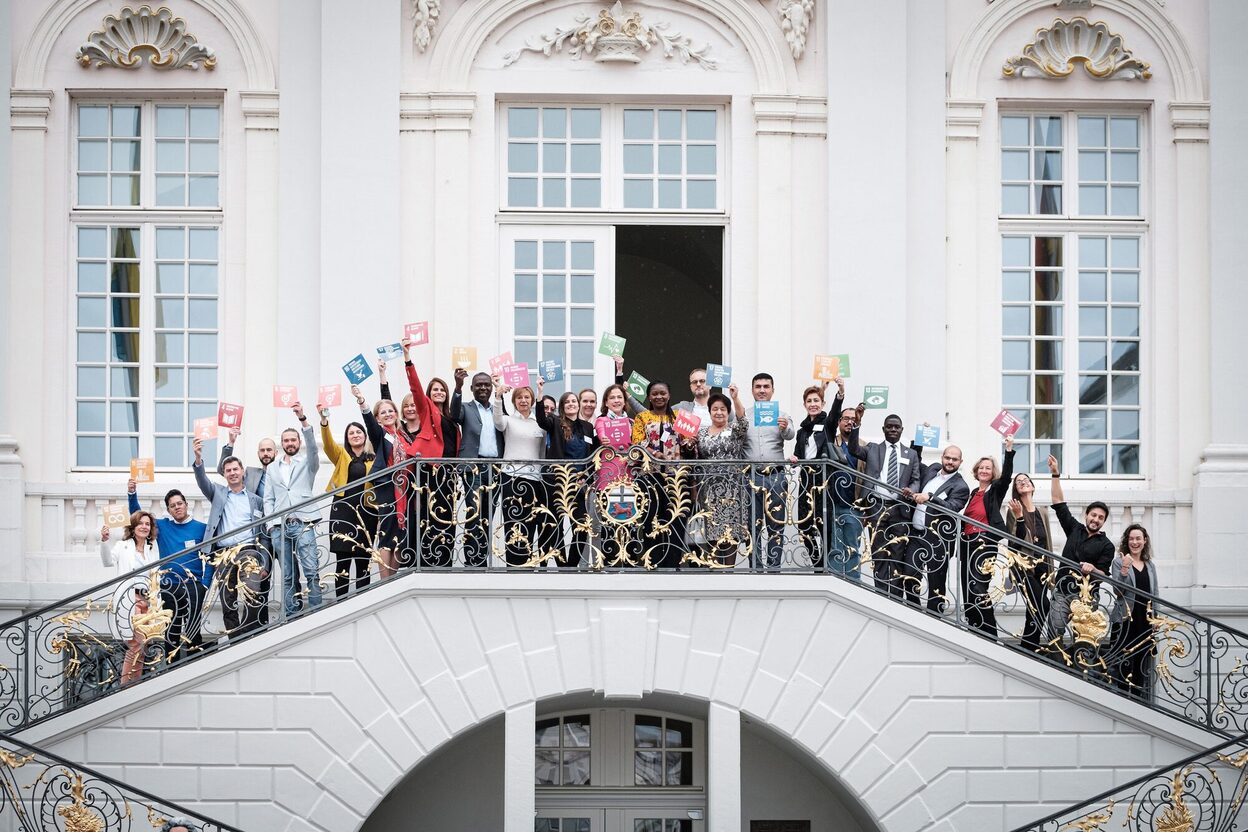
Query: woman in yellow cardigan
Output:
(352,519)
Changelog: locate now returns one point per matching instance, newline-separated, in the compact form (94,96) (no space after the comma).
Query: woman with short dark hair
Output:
(352,518)
(722,493)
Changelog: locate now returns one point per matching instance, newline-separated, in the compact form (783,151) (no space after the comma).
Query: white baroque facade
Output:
(1018,203)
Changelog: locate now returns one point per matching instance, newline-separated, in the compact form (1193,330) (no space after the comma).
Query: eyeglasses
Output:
(697,381)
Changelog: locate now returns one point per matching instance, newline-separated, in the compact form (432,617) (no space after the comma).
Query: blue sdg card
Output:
(766,414)
(357,369)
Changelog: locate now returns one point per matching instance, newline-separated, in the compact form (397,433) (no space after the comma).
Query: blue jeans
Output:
(846,539)
(769,515)
(296,540)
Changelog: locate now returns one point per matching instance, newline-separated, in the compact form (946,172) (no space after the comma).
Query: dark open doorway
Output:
(669,293)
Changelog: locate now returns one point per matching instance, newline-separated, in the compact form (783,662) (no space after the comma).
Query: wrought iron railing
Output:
(43,792)
(1203,792)
(626,511)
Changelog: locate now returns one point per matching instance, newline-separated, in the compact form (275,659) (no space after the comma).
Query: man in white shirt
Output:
(701,395)
(933,533)
(766,445)
(895,468)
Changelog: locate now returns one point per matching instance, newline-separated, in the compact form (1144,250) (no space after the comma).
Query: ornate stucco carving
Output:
(1058,49)
(426,14)
(795,20)
(133,33)
(615,37)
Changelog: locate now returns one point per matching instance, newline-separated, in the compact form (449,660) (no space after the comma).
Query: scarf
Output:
(404,449)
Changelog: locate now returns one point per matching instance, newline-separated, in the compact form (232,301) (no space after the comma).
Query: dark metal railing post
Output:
(27,682)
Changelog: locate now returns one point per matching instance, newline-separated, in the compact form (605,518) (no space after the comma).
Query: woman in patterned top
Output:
(722,492)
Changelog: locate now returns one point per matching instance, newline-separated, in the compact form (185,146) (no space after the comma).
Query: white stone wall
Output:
(310,726)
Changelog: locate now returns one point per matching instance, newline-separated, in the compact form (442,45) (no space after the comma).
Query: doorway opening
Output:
(669,288)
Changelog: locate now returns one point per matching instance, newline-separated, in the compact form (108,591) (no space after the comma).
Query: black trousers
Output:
(977,552)
(812,503)
(480,501)
(438,523)
(245,587)
(185,598)
(526,531)
(926,552)
(1033,584)
(889,536)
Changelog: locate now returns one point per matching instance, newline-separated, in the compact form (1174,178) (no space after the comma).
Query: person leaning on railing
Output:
(654,430)
(439,483)
(241,564)
(526,530)
(978,543)
(293,531)
(481,440)
(812,444)
(569,437)
(1032,525)
(1086,544)
(185,581)
(1132,632)
(723,495)
(136,549)
(352,517)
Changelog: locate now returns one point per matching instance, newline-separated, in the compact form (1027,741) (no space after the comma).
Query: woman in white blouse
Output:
(527,531)
(136,549)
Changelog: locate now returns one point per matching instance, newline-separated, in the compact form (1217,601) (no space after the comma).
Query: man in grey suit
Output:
(897,468)
(479,440)
(293,534)
(245,563)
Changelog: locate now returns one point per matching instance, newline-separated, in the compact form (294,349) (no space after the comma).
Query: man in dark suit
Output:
(932,533)
(888,518)
(479,440)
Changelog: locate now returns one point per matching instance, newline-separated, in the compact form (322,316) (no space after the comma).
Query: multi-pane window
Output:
(1042,360)
(670,159)
(1037,178)
(1109,355)
(146,281)
(662,824)
(554,308)
(1072,284)
(148,155)
(613,157)
(563,747)
(554,157)
(662,751)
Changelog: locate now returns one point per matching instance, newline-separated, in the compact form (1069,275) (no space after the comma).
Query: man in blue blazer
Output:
(241,562)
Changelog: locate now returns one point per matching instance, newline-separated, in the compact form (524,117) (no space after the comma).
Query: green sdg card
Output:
(876,398)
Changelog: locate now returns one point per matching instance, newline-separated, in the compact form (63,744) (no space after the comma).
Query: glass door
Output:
(557,298)
(569,820)
(661,820)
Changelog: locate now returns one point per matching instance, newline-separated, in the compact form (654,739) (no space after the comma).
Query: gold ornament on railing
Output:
(77,817)
(1176,817)
(1090,623)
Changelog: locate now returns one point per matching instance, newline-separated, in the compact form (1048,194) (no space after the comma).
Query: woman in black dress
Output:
(352,518)
(1132,633)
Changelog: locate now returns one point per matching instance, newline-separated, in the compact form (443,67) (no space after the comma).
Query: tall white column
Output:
(519,797)
(257,358)
(10,463)
(723,769)
(1221,482)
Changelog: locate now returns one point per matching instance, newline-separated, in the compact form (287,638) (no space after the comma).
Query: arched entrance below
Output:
(602,765)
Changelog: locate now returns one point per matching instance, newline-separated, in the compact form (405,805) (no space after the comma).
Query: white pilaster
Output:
(436,211)
(11,487)
(1221,482)
(256,361)
(519,797)
(723,768)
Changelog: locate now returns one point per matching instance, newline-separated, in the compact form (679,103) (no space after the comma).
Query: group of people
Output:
(570,483)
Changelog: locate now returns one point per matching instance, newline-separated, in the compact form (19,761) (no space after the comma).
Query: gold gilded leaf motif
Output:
(1238,761)
(1089,622)
(156,819)
(1092,822)
(14,760)
(77,817)
(1176,817)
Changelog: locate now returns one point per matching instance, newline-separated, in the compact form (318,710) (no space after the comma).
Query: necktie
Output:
(894,477)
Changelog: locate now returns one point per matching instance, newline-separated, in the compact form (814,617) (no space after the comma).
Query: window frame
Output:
(1070,159)
(612,142)
(1071,227)
(148,217)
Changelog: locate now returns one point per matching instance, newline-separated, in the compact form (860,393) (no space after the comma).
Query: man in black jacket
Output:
(928,549)
(480,440)
(1086,544)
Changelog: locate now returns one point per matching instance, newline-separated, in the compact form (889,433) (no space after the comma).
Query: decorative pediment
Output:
(614,37)
(134,33)
(1058,49)
(426,14)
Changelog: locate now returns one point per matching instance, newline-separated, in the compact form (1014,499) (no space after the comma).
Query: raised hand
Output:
(198,447)
(619,364)
(840,387)
(1016,508)
(298,408)
(355,391)
(104,534)
(406,343)
(1053,467)
(460,375)
(131,486)
(1009,442)
(233,435)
